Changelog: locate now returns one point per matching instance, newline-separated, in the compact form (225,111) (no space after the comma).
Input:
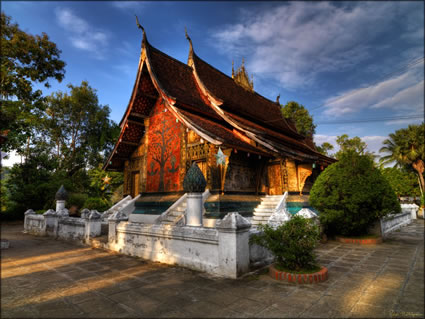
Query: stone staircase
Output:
(175,214)
(266,208)
(126,206)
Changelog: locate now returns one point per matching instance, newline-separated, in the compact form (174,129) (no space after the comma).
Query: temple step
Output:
(266,208)
(264,213)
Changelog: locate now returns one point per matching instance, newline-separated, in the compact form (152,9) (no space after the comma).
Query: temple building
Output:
(183,113)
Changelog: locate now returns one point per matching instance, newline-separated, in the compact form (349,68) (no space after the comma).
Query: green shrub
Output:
(40,211)
(351,195)
(291,243)
(96,203)
(76,199)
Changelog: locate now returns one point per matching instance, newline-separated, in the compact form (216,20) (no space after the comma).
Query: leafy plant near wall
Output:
(96,203)
(351,195)
(292,243)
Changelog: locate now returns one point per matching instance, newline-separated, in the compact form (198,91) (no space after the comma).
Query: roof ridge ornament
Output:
(190,57)
(277,99)
(143,30)
(241,77)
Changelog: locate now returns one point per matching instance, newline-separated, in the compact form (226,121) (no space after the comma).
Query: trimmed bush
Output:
(351,195)
(292,243)
(76,199)
(96,203)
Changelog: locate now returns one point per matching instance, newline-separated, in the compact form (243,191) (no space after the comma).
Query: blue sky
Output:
(344,61)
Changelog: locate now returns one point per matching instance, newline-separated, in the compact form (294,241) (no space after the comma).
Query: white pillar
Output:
(194,209)
(113,221)
(51,222)
(233,241)
(93,225)
(26,221)
(60,204)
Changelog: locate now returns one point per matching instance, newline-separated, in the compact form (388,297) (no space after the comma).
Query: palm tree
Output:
(405,147)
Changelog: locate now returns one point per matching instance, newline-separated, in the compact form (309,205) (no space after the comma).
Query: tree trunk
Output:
(419,167)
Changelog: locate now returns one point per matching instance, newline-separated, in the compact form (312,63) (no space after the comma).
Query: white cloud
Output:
(82,35)
(403,93)
(124,5)
(374,142)
(296,41)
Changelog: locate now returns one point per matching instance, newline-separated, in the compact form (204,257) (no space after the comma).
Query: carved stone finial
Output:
(61,194)
(194,181)
(277,99)
(143,29)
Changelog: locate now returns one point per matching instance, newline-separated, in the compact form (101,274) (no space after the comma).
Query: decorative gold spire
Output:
(190,57)
(143,30)
(241,77)
(233,69)
(277,99)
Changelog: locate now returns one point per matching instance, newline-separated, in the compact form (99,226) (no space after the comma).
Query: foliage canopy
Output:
(25,59)
(351,194)
(302,119)
(292,243)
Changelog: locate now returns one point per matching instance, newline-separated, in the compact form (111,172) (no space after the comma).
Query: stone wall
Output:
(35,224)
(222,251)
(392,222)
(62,226)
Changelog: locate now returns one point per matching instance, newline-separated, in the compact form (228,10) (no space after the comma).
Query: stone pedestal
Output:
(28,212)
(51,222)
(60,204)
(194,209)
(113,222)
(93,225)
(233,241)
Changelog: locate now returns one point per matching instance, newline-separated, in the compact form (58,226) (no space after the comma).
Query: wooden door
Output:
(135,181)
(203,167)
(275,179)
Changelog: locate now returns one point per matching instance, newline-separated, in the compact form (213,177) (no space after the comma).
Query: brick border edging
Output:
(316,277)
(358,241)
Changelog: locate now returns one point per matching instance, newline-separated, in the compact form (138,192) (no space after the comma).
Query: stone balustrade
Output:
(60,225)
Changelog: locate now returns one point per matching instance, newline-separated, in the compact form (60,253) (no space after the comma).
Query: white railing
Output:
(282,202)
(113,208)
(172,207)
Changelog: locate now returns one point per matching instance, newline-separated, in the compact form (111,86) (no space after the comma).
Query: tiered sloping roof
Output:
(209,102)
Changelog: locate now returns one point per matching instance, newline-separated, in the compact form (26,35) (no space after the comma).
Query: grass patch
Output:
(302,271)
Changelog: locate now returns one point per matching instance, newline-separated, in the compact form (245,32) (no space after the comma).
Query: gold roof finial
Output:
(143,29)
(277,99)
(190,58)
(233,69)
(241,77)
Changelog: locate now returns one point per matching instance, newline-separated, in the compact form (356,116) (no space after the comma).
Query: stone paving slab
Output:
(46,278)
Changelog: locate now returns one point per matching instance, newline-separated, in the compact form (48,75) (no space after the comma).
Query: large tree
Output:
(78,128)
(354,144)
(405,148)
(299,114)
(25,59)
(325,148)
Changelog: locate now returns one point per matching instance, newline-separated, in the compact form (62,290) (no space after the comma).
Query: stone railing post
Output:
(93,225)
(26,221)
(61,197)
(51,222)
(113,221)
(194,209)
(194,184)
(233,241)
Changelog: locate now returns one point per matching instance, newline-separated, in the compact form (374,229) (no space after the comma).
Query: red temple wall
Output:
(163,156)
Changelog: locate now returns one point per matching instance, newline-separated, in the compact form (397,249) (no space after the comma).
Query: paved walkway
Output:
(43,277)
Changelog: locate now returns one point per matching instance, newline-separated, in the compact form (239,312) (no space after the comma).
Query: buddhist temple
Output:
(183,113)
